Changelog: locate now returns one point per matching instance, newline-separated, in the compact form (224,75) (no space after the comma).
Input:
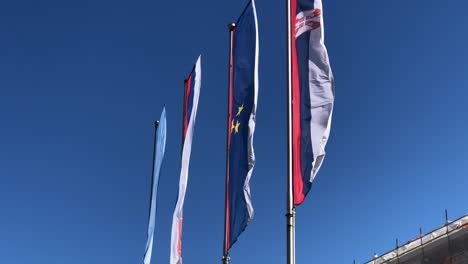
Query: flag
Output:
(243,92)
(160,146)
(192,93)
(312,94)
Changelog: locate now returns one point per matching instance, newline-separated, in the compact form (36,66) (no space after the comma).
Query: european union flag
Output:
(243,91)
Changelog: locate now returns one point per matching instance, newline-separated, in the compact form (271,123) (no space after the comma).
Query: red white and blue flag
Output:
(192,93)
(243,91)
(312,94)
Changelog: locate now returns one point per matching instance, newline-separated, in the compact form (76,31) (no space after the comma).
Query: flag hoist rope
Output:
(226,258)
(290,214)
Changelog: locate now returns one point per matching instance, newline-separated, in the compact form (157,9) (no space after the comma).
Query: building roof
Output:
(428,241)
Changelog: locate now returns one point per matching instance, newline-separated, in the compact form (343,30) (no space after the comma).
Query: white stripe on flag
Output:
(322,93)
(252,120)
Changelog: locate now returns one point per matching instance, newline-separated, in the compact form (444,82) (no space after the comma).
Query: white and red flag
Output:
(192,93)
(312,94)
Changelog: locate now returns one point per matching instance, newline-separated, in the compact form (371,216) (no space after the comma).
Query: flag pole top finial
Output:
(231,26)
(156,123)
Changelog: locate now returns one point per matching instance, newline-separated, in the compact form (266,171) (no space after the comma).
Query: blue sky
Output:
(81,84)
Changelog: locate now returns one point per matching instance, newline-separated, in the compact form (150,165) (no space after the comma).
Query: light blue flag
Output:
(158,158)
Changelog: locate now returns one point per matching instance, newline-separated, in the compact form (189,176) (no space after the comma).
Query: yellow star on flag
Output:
(239,110)
(235,127)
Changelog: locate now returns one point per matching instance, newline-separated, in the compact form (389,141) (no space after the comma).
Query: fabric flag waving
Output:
(243,92)
(192,93)
(312,94)
(160,146)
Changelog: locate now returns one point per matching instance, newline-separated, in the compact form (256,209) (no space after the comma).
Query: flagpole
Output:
(156,123)
(396,249)
(291,213)
(149,244)
(226,258)
(421,239)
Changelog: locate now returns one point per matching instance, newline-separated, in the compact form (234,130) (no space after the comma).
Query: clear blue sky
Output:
(81,84)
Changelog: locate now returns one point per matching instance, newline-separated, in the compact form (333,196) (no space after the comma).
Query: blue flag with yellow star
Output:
(243,91)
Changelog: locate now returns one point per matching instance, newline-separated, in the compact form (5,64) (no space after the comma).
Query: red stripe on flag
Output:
(187,96)
(179,239)
(296,114)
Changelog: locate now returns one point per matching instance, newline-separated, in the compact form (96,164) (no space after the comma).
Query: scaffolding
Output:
(447,244)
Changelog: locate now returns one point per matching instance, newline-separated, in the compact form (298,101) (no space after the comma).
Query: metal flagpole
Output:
(396,249)
(156,123)
(446,217)
(149,245)
(291,212)
(447,232)
(422,245)
(226,258)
